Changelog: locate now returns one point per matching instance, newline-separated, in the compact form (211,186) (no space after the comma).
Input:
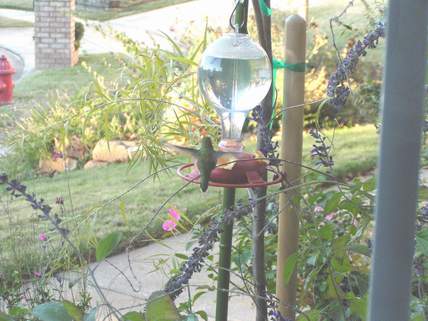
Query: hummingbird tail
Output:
(204,186)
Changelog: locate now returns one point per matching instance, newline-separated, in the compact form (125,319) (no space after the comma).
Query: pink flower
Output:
(173,213)
(330,216)
(43,237)
(169,226)
(37,274)
(318,209)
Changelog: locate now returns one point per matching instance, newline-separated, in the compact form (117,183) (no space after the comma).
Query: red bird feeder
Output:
(247,172)
(6,81)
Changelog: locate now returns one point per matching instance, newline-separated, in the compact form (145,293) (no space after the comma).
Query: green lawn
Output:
(14,23)
(354,152)
(92,210)
(129,7)
(132,8)
(17,4)
(95,207)
(42,87)
(42,84)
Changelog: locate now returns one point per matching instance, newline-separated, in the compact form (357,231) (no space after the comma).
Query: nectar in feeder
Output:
(235,75)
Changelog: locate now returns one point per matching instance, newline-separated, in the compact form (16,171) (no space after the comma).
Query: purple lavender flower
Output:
(174,286)
(336,89)
(269,148)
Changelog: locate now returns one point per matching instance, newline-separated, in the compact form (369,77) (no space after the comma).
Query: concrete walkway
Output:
(18,14)
(114,278)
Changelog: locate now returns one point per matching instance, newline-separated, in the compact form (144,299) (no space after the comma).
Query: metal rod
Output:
(259,272)
(241,18)
(402,115)
(225,259)
(291,150)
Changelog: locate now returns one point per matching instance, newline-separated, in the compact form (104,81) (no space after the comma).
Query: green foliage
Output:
(54,311)
(73,311)
(154,100)
(79,31)
(160,307)
(107,245)
(133,316)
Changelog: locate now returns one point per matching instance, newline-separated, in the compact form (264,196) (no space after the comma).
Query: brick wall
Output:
(54,33)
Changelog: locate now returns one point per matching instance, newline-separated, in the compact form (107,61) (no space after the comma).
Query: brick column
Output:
(54,33)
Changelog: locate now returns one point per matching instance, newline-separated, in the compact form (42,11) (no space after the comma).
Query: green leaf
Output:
(160,307)
(333,202)
(289,267)
(133,316)
(107,245)
(73,311)
(181,256)
(202,314)
(422,241)
(326,232)
(359,307)
(369,185)
(91,315)
(360,249)
(54,311)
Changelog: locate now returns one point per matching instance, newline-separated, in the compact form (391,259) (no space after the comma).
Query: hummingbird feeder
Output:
(235,75)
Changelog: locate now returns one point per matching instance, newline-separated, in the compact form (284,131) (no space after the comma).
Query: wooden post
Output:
(397,196)
(291,150)
(306,8)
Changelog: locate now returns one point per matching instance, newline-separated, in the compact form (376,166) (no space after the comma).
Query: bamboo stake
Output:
(306,10)
(222,303)
(291,150)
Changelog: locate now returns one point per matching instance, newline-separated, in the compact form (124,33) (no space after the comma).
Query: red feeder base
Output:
(247,172)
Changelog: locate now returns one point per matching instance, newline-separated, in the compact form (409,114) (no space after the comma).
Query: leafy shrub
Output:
(79,32)
(154,100)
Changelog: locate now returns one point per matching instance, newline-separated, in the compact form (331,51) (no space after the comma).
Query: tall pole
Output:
(223,281)
(291,150)
(226,238)
(402,115)
(264,31)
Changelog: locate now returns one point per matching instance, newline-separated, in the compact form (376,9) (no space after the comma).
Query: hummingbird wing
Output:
(183,150)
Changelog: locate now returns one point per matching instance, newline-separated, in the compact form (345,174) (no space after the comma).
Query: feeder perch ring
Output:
(253,178)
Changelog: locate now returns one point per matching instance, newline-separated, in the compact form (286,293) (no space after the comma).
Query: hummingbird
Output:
(206,159)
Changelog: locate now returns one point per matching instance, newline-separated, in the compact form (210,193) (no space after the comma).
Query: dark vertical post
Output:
(225,260)
(259,215)
(402,115)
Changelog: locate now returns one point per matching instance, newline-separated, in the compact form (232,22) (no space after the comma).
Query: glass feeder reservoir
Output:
(235,75)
